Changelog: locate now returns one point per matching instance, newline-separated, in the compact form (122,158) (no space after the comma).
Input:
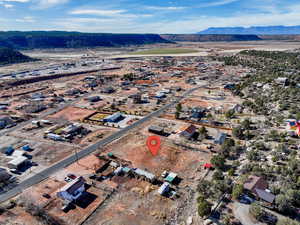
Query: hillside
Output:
(261,30)
(9,56)
(61,39)
(280,37)
(202,38)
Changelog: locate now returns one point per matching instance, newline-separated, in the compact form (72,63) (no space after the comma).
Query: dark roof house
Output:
(258,187)
(188,132)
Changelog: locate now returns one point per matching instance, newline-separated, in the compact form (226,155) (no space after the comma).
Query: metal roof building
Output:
(171,177)
(145,174)
(116,117)
(17,162)
(164,188)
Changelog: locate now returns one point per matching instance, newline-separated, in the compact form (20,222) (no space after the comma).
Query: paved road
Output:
(71,159)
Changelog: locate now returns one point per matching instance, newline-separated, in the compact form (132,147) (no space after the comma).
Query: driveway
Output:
(241,212)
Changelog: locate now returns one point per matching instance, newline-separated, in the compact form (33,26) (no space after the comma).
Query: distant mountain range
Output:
(209,37)
(261,30)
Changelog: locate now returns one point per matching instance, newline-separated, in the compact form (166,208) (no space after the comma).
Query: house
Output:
(72,92)
(164,188)
(93,99)
(18,162)
(156,130)
(108,90)
(137,98)
(160,95)
(257,186)
(72,190)
(281,80)
(54,137)
(188,132)
(229,87)
(197,113)
(34,108)
(114,118)
(220,138)
(71,129)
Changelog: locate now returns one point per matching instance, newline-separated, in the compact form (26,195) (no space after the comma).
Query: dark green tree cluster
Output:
(10,56)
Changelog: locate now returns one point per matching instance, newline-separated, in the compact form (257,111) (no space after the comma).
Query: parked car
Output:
(72,176)
(45,195)
(245,199)
(269,219)
(68,179)
(248,198)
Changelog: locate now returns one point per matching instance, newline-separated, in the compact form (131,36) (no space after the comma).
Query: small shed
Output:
(126,170)
(164,188)
(26,148)
(171,177)
(156,130)
(9,150)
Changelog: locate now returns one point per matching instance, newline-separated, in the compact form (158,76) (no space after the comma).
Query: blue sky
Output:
(144,16)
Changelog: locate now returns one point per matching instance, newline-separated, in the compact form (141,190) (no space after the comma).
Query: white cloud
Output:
(26,19)
(215,3)
(288,16)
(8,6)
(166,8)
(117,13)
(97,12)
(22,1)
(44,4)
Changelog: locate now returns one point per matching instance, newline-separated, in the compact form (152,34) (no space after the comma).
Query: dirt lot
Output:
(72,113)
(137,202)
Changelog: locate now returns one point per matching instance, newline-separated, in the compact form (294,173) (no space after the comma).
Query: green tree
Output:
(287,221)
(218,161)
(246,124)
(237,190)
(231,172)
(229,114)
(218,175)
(256,211)
(203,131)
(283,203)
(238,132)
(179,107)
(204,208)
(177,115)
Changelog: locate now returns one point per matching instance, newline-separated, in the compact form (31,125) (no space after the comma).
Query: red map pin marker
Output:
(153,143)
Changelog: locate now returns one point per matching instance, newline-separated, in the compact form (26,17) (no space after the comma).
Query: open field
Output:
(160,51)
(72,113)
